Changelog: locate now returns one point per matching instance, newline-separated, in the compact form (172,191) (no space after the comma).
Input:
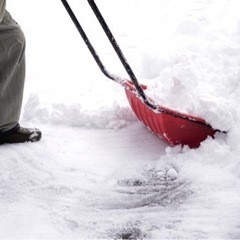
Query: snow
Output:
(98,172)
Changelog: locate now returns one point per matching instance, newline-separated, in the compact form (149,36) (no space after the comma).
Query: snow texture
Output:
(98,173)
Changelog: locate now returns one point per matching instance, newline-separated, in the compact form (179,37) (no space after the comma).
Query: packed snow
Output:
(98,173)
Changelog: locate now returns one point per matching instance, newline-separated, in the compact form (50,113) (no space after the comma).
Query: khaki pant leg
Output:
(12,72)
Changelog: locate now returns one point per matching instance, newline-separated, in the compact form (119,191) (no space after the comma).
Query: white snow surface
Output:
(98,173)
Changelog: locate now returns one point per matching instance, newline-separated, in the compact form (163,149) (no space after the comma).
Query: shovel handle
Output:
(86,40)
(116,47)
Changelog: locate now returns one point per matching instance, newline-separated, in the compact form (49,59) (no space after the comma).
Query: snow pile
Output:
(196,69)
(110,116)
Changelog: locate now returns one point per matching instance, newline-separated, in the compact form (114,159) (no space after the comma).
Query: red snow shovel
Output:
(172,126)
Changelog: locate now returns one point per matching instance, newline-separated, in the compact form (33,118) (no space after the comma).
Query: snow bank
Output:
(195,68)
(110,116)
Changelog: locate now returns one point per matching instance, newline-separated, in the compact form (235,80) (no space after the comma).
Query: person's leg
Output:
(12,72)
(12,77)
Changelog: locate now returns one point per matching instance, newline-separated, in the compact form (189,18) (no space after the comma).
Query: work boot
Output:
(20,134)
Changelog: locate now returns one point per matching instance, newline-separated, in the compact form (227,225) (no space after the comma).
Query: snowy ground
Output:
(98,172)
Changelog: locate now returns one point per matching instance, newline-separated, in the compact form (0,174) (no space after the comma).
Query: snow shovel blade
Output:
(172,126)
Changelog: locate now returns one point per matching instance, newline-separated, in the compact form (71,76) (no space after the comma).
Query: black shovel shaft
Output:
(87,41)
(119,52)
(115,46)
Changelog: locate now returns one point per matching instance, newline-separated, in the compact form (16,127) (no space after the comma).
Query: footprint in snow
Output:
(153,188)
